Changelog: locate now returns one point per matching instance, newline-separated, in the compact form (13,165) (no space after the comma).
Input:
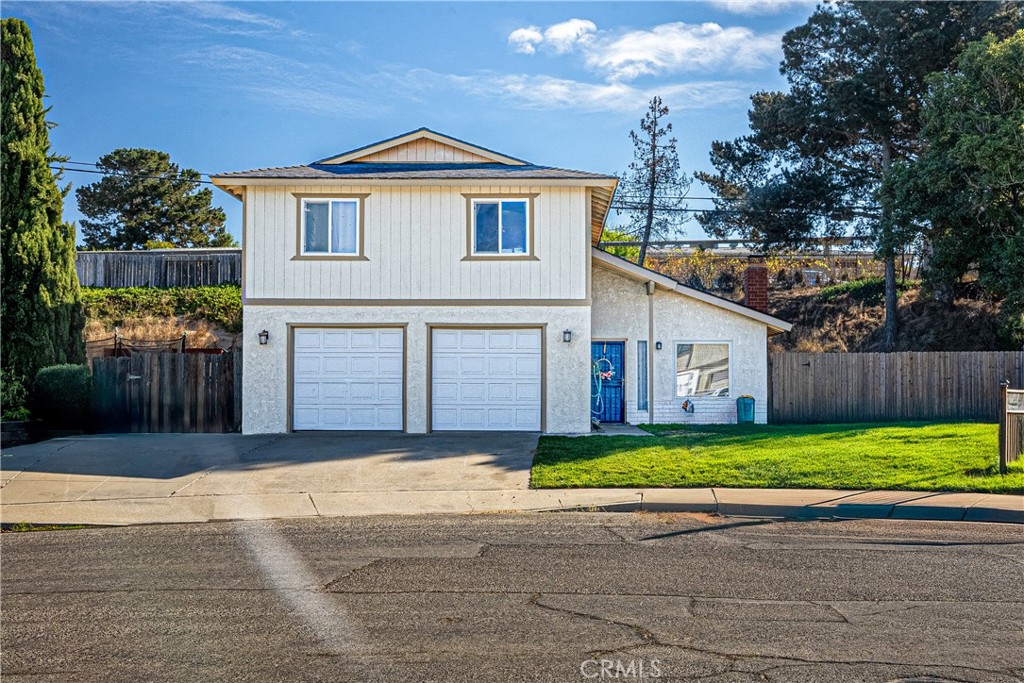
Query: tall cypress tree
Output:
(41,316)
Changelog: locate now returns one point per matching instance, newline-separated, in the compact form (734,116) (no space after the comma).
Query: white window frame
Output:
(330,225)
(675,366)
(499,200)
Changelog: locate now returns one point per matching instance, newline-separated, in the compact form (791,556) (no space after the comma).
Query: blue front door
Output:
(606,375)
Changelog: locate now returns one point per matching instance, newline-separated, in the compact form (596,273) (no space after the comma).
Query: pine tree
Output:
(653,188)
(41,316)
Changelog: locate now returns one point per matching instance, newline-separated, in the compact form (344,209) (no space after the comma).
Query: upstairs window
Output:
(501,227)
(330,226)
(702,369)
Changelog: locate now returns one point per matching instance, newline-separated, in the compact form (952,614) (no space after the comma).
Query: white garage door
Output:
(486,380)
(348,379)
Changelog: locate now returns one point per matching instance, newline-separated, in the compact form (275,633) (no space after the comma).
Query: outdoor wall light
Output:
(264,337)
(567,336)
(657,345)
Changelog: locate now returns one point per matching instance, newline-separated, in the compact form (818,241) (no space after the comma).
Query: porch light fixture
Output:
(567,336)
(264,337)
(657,345)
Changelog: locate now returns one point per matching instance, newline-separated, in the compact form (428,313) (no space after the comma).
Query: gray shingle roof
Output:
(415,171)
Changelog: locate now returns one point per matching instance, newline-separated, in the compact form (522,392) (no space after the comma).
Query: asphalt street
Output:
(527,597)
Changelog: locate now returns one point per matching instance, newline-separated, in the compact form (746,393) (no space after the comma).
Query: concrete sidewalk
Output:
(798,504)
(169,478)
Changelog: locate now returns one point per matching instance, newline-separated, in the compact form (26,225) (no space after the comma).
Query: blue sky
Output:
(233,86)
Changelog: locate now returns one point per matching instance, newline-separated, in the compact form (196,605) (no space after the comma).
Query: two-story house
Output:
(423,283)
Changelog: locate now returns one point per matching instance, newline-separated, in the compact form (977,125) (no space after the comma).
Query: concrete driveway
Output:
(294,474)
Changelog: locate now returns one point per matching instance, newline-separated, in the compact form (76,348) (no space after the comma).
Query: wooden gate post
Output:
(1003,424)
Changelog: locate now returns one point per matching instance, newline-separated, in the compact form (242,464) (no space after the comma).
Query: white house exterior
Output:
(423,284)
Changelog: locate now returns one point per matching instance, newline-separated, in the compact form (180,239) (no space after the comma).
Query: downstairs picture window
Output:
(330,226)
(702,369)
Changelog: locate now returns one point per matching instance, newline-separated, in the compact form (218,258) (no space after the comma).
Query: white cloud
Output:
(549,93)
(227,13)
(756,7)
(567,35)
(278,81)
(664,49)
(676,47)
(560,38)
(526,40)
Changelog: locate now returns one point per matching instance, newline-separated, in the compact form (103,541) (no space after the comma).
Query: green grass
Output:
(25,527)
(219,304)
(914,456)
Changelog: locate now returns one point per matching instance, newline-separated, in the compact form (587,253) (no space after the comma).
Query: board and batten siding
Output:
(424,150)
(414,243)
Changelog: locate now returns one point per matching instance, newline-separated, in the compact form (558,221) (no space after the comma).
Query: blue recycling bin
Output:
(745,410)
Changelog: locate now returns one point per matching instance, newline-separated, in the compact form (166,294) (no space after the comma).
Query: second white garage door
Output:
(486,380)
(348,378)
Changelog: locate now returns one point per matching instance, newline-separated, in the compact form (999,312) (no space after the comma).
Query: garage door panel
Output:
(335,339)
(528,340)
(501,418)
(472,366)
(390,339)
(364,365)
(445,418)
(333,392)
(306,392)
(499,391)
(308,339)
(501,365)
(389,366)
(334,365)
(486,379)
(501,340)
(445,366)
(472,391)
(307,365)
(445,391)
(527,417)
(527,366)
(472,339)
(527,391)
(348,379)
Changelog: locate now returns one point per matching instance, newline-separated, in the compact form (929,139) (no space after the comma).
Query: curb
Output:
(910,509)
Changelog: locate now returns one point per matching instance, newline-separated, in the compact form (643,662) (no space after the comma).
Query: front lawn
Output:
(919,456)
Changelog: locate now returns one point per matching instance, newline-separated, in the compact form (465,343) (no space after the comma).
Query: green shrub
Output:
(220,305)
(870,290)
(13,395)
(62,396)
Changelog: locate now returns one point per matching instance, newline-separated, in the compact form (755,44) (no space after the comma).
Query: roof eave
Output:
(421,133)
(775,325)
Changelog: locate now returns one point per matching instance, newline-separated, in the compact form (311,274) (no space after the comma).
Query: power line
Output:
(130,175)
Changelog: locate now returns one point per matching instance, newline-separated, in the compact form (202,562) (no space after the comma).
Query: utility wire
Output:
(618,205)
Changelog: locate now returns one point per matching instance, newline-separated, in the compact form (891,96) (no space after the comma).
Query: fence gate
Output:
(167,392)
(1011,425)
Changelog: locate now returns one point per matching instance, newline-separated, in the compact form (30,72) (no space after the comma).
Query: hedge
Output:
(219,304)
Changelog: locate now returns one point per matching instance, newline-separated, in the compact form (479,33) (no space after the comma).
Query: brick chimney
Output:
(755,287)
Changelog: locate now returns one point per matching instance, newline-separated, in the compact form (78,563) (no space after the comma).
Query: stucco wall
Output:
(620,311)
(265,377)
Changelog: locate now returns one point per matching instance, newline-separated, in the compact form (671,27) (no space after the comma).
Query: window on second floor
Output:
(330,227)
(501,227)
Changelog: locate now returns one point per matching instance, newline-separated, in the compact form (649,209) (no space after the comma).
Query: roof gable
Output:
(422,146)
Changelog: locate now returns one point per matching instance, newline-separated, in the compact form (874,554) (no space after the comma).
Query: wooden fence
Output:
(880,387)
(168,392)
(159,268)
